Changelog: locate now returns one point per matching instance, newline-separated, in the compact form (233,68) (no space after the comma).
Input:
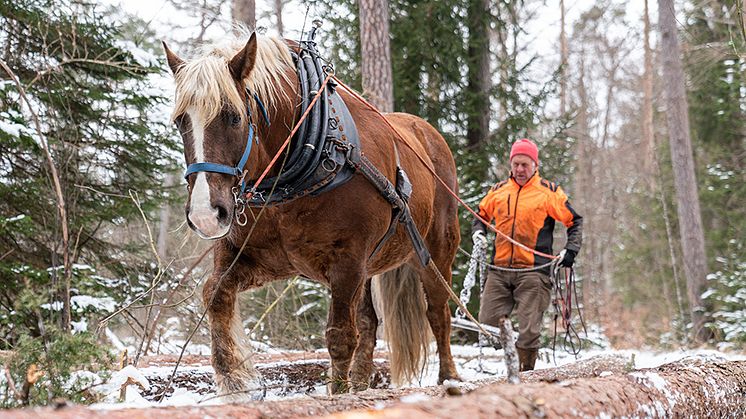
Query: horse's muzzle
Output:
(209,223)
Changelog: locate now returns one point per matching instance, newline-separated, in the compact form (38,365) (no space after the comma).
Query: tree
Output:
(687,198)
(563,60)
(92,111)
(648,140)
(244,12)
(376,54)
(715,58)
(479,77)
(278,14)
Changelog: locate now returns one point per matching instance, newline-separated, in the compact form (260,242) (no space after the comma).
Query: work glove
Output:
(569,258)
(478,236)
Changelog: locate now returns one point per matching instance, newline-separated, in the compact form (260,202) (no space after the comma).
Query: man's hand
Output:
(478,236)
(569,258)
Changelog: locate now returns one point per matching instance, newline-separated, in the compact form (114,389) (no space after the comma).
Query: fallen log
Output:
(601,386)
(688,388)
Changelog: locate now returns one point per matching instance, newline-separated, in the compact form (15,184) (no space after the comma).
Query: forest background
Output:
(95,257)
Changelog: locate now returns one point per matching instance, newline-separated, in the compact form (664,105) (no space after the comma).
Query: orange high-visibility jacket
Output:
(527,214)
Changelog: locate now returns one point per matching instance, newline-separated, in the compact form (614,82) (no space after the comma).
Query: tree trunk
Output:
(685,182)
(690,388)
(244,11)
(648,139)
(563,60)
(479,76)
(378,85)
(278,15)
(681,389)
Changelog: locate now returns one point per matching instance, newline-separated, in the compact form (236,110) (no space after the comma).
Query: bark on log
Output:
(680,389)
(596,387)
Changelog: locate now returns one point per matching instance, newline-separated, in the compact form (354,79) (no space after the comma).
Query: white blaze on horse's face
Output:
(202,214)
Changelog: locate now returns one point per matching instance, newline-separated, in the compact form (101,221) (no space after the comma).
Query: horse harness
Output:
(325,154)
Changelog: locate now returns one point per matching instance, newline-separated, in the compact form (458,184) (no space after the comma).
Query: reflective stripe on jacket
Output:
(527,214)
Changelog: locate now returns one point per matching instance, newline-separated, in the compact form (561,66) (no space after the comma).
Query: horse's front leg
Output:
(235,375)
(341,333)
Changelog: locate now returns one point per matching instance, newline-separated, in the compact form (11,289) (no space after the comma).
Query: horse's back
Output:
(427,142)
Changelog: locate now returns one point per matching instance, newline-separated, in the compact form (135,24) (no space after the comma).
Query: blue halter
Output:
(238,169)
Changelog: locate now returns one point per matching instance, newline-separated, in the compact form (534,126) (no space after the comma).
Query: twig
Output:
(274,303)
(116,195)
(166,304)
(6,254)
(12,384)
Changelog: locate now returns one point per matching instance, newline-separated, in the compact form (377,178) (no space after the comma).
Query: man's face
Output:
(522,168)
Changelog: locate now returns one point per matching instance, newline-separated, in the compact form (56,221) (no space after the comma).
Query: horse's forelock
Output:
(205,85)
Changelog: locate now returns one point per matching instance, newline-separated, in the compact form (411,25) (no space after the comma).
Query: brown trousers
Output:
(528,293)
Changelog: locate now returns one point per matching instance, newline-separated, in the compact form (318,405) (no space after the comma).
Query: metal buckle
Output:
(240,207)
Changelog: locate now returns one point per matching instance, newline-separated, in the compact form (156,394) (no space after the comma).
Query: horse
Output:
(329,237)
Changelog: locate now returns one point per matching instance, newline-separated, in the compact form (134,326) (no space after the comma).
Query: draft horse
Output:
(330,237)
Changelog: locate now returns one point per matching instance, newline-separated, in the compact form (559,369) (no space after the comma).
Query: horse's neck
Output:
(282,116)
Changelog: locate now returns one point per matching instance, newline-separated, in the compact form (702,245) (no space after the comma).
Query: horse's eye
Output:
(235,120)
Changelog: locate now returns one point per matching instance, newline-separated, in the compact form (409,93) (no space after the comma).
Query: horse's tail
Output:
(400,298)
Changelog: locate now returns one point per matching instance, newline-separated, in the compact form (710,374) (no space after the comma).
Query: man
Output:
(524,208)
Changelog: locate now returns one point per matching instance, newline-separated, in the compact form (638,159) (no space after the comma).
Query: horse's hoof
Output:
(240,388)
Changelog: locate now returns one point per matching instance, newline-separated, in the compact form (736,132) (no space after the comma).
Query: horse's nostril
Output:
(222,213)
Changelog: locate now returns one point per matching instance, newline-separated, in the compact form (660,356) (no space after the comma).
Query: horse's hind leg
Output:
(439,317)
(341,334)
(367,323)
(438,313)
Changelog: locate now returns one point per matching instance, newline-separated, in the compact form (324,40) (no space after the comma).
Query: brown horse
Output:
(328,237)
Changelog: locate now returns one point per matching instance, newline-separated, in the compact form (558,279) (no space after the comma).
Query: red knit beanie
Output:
(527,147)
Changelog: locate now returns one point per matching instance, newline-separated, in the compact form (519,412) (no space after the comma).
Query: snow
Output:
(141,56)
(129,372)
(473,364)
(415,398)
(79,326)
(81,302)
(306,307)
(13,129)
(17,217)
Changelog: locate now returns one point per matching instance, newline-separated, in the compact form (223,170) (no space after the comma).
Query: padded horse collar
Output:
(324,148)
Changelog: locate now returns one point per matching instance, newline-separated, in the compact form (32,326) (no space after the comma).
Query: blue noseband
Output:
(239,168)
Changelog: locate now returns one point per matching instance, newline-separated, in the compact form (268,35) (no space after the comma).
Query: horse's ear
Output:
(243,62)
(173,60)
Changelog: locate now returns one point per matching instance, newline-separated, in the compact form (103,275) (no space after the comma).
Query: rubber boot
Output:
(527,358)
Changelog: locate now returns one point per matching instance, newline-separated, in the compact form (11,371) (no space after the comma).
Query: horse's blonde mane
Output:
(204,84)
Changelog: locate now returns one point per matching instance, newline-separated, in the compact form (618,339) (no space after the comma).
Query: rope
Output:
(485,265)
(564,290)
(455,298)
(475,263)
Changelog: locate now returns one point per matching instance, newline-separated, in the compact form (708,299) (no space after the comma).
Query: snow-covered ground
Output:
(473,363)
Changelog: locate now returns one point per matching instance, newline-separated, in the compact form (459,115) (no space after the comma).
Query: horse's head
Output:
(212,114)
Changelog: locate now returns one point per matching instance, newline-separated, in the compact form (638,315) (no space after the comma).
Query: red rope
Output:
(432,171)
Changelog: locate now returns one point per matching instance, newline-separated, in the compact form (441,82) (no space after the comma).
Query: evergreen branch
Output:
(66,316)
